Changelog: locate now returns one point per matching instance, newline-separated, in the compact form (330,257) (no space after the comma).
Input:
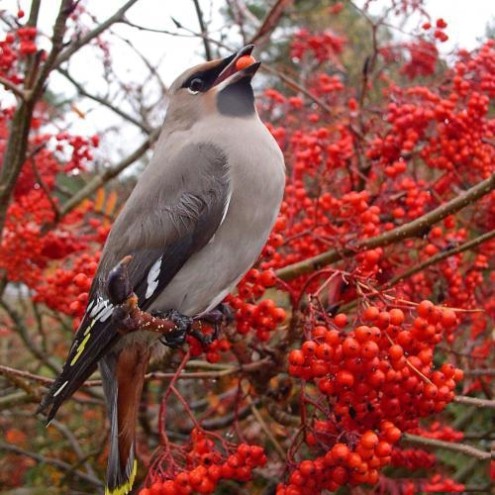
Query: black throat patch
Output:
(237,99)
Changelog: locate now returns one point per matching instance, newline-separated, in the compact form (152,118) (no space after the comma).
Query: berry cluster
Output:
(66,290)
(205,467)
(381,372)
(412,459)
(322,46)
(26,36)
(343,464)
(212,351)
(262,316)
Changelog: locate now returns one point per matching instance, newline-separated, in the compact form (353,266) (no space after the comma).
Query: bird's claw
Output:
(183,324)
(205,339)
(223,313)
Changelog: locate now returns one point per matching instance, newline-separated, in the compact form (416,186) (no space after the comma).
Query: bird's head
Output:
(222,86)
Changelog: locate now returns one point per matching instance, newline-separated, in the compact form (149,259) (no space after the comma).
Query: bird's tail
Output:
(123,377)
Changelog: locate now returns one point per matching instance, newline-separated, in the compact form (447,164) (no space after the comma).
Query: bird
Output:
(194,224)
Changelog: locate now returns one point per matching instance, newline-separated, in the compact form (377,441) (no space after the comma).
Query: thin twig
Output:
(474,401)
(204,30)
(23,332)
(480,372)
(13,87)
(266,428)
(84,40)
(54,462)
(270,22)
(106,103)
(71,438)
(294,85)
(440,257)
(441,444)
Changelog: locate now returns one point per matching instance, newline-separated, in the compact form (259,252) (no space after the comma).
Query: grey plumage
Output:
(194,224)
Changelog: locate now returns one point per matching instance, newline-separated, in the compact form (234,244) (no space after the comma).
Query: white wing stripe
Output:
(60,389)
(105,314)
(152,279)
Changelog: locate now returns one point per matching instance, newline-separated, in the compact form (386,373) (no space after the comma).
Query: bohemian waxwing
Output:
(194,224)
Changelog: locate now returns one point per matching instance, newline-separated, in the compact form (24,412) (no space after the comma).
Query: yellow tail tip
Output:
(126,487)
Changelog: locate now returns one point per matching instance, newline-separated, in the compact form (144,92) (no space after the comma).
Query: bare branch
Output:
(474,401)
(13,87)
(440,257)
(84,40)
(456,447)
(71,438)
(54,462)
(480,372)
(204,30)
(291,83)
(23,332)
(103,101)
(270,22)
(8,402)
(240,7)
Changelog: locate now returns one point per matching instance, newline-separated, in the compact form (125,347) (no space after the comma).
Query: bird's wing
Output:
(165,221)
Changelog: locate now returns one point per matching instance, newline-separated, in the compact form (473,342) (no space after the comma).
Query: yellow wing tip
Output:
(125,488)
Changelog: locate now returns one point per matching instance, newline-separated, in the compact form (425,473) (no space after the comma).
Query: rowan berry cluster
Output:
(212,351)
(66,290)
(441,432)
(27,35)
(16,45)
(439,484)
(36,243)
(322,46)
(344,463)
(205,466)
(377,379)
(412,459)
(252,314)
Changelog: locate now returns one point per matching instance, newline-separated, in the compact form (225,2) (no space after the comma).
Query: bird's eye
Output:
(195,86)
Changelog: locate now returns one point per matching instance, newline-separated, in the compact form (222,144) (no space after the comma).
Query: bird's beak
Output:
(228,69)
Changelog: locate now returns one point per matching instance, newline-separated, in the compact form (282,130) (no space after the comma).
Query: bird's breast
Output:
(257,177)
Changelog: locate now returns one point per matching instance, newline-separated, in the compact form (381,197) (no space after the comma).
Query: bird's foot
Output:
(222,314)
(203,338)
(183,326)
(217,317)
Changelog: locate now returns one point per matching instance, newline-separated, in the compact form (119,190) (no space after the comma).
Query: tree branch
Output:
(406,231)
(54,462)
(440,257)
(441,444)
(103,101)
(84,40)
(13,87)
(71,438)
(26,339)
(204,30)
(474,401)
(17,144)
(270,22)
